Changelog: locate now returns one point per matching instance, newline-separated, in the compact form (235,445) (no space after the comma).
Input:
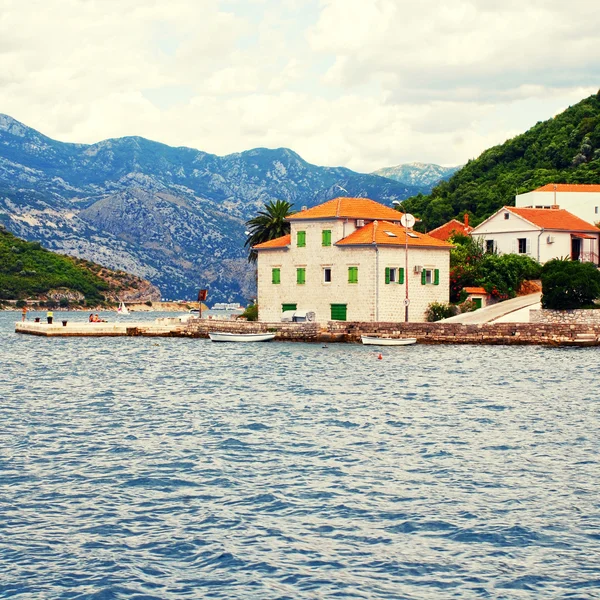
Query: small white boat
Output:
(379,341)
(122,310)
(218,336)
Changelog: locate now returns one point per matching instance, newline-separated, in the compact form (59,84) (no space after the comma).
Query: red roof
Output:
(280,242)
(475,290)
(445,231)
(385,233)
(348,208)
(553,218)
(569,187)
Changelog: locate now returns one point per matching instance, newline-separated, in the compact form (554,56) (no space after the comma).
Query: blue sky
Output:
(358,83)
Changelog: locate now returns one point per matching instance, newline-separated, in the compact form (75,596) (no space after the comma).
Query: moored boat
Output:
(379,341)
(218,336)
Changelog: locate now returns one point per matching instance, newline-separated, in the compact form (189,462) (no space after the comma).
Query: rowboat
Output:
(218,336)
(379,341)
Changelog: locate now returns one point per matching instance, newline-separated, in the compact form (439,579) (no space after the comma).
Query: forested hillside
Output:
(29,271)
(564,149)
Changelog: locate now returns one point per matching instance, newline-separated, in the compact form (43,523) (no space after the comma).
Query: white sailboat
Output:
(122,310)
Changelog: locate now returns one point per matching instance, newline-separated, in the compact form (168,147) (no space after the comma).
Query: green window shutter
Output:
(338,312)
(276,276)
(436,277)
(301,239)
(352,274)
(423,277)
(400,275)
(387,274)
(285,307)
(301,275)
(326,237)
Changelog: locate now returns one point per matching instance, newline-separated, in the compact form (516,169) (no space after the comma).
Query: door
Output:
(338,312)
(575,248)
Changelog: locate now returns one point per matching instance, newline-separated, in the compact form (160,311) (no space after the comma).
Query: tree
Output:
(269,224)
(568,284)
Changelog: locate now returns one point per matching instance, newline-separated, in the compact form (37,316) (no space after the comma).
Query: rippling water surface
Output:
(169,468)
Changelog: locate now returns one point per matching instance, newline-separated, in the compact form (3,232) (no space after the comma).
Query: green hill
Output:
(564,149)
(29,271)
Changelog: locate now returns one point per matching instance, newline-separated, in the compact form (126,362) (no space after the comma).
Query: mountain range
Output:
(174,216)
(418,174)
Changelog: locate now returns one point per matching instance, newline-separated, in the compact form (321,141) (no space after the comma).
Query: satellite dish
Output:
(407,220)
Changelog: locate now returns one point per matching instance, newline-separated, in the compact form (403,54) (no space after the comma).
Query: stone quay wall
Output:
(568,317)
(552,334)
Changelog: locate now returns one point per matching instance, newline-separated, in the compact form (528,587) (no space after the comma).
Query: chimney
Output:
(466,219)
(305,208)
(555,206)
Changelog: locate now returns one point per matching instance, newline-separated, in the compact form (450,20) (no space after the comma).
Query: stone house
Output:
(447,230)
(542,233)
(345,260)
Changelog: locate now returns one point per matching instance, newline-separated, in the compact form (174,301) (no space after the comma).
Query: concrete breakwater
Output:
(553,334)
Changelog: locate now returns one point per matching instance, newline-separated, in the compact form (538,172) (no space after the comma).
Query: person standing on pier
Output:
(49,316)
(24,313)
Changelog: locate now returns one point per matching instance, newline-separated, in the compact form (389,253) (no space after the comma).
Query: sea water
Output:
(142,468)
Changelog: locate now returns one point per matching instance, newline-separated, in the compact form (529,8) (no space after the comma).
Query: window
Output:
(394,275)
(352,274)
(301,239)
(301,275)
(338,312)
(276,276)
(490,246)
(327,275)
(522,244)
(326,237)
(285,307)
(430,277)
(596,210)
(506,216)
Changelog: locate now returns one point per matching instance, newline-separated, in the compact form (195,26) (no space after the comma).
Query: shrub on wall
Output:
(437,311)
(251,313)
(568,284)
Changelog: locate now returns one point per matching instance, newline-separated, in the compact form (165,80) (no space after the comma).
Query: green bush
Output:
(63,303)
(251,313)
(21,303)
(148,303)
(569,284)
(437,311)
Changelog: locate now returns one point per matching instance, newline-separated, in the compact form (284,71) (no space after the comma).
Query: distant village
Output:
(354,259)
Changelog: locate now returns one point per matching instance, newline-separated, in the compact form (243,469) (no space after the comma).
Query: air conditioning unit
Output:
(550,239)
(360,222)
(418,268)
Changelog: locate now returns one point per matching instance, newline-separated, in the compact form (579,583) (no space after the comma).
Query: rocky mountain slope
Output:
(423,175)
(175,216)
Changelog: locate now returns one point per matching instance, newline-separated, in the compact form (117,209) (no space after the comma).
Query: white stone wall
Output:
(371,299)
(585,205)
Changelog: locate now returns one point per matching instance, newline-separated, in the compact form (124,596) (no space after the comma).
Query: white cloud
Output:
(342,82)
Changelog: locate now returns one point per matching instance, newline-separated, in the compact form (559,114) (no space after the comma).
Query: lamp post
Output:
(407,221)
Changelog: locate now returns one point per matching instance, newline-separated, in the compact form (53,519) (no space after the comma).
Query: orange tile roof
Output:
(443,232)
(553,218)
(378,232)
(280,242)
(569,187)
(475,290)
(348,208)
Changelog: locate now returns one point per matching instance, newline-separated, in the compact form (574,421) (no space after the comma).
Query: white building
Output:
(345,260)
(581,200)
(542,233)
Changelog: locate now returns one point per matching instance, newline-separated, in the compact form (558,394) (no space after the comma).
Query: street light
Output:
(407,221)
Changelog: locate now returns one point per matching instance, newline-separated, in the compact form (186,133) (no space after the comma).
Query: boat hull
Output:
(217,336)
(377,341)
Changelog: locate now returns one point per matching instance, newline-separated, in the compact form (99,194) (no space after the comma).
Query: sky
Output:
(363,84)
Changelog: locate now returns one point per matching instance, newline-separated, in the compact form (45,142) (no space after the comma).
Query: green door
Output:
(477,302)
(338,312)
(285,307)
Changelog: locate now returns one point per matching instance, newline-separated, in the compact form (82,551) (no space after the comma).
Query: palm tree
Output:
(269,224)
